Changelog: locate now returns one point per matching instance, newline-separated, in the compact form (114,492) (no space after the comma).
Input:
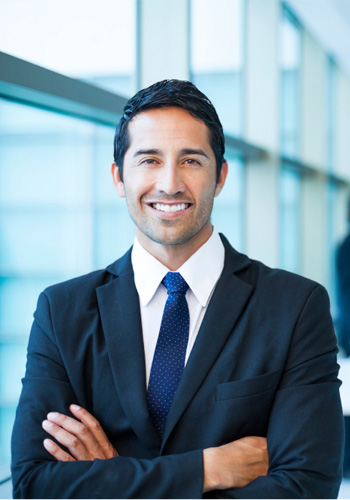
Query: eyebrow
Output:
(189,151)
(140,152)
(185,151)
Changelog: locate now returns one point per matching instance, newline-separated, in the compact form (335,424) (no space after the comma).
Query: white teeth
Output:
(170,208)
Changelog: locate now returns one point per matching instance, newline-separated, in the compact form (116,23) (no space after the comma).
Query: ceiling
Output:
(329,22)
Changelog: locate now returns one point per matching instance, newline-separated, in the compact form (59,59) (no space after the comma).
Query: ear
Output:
(222,178)
(118,184)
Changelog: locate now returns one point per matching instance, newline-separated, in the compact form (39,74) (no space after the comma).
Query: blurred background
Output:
(278,73)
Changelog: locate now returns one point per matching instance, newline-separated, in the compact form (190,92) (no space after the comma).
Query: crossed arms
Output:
(233,465)
(304,434)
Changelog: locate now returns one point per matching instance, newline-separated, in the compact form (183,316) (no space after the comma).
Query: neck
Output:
(174,256)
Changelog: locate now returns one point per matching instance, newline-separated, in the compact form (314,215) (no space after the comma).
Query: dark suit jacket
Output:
(264,364)
(343,268)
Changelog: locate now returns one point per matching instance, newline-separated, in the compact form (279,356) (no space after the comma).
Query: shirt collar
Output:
(149,272)
(211,257)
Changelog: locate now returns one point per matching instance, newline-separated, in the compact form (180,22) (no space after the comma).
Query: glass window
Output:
(290,58)
(228,212)
(92,41)
(331,114)
(59,217)
(290,220)
(217,57)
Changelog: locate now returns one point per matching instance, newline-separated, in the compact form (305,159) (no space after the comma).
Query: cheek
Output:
(203,188)
(135,187)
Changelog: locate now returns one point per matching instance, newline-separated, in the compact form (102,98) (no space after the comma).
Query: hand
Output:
(84,438)
(235,464)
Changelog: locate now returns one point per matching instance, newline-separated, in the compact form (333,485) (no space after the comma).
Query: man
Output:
(185,368)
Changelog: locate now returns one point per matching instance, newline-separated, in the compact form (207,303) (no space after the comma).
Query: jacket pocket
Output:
(246,387)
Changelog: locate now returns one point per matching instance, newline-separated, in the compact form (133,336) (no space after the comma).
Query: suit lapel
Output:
(230,296)
(120,315)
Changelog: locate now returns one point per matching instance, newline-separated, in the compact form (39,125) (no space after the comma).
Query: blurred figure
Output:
(343,323)
(343,271)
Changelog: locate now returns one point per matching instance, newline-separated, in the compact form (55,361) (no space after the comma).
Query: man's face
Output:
(169,177)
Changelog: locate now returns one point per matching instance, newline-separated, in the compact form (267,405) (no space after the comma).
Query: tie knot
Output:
(175,283)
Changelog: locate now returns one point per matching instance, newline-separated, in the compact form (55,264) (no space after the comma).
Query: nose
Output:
(169,180)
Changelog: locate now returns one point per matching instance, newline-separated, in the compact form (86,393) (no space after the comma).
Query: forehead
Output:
(174,125)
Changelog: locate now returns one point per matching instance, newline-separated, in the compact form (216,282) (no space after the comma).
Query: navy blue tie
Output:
(169,357)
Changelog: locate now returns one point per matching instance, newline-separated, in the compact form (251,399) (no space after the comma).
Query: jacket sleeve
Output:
(46,387)
(305,432)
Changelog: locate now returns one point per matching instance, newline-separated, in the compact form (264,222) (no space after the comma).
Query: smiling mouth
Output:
(162,207)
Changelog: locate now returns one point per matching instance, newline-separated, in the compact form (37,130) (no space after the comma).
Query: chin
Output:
(172,239)
(168,235)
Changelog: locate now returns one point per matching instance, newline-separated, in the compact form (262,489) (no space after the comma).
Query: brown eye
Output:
(148,161)
(192,161)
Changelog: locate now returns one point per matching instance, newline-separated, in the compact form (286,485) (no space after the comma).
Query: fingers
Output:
(235,464)
(84,438)
(255,450)
(259,447)
(95,428)
(255,447)
(90,422)
(65,432)
(255,441)
(57,452)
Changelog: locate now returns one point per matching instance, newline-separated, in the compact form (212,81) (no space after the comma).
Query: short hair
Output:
(169,93)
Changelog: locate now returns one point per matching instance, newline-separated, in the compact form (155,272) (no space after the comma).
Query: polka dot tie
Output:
(169,356)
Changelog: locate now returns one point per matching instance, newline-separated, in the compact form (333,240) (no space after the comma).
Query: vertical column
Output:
(313,103)
(315,263)
(262,128)
(164,40)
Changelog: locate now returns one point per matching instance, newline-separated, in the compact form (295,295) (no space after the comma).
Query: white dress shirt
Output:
(201,272)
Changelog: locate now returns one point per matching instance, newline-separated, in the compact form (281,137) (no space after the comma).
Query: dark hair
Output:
(164,94)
